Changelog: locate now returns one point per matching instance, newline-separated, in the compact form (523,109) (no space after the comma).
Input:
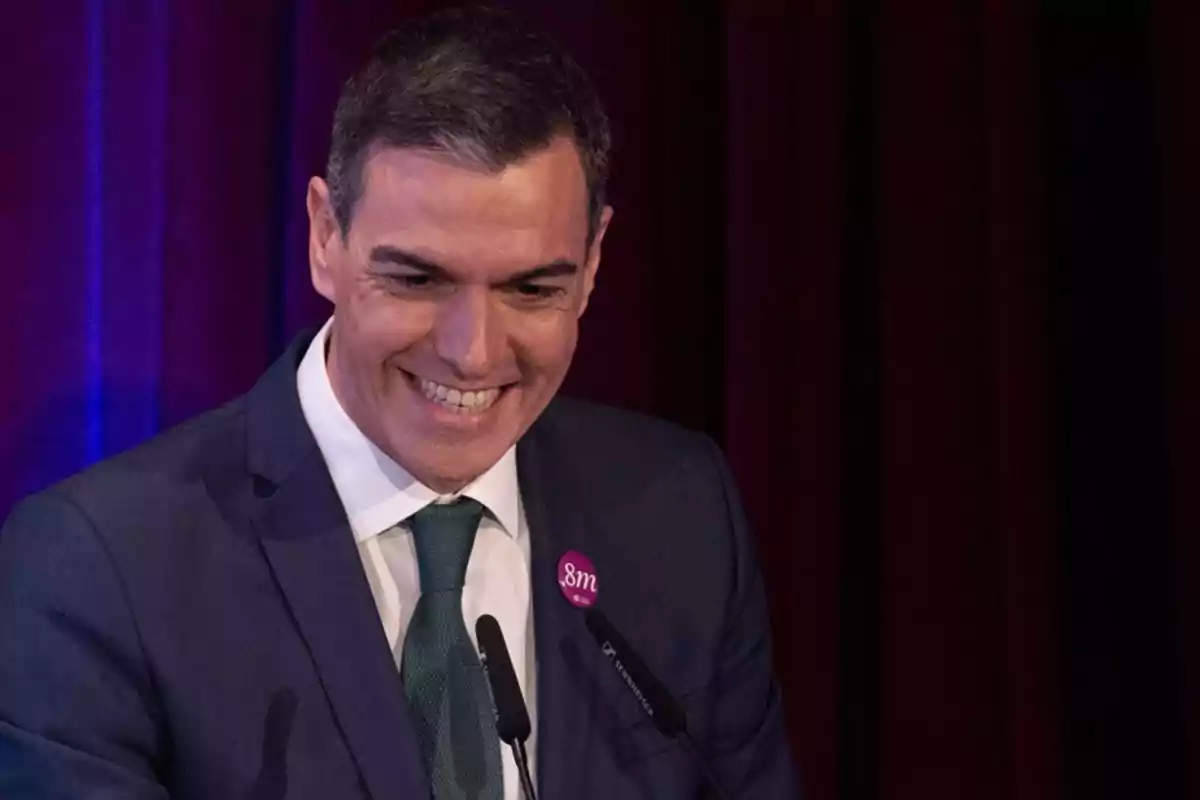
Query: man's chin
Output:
(449,482)
(446,467)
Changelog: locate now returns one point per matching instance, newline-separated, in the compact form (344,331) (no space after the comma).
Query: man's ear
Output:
(324,237)
(593,257)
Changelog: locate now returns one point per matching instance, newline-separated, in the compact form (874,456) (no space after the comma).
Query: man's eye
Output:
(533,291)
(413,281)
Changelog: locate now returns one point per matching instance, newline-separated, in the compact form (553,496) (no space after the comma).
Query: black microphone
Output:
(658,703)
(512,718)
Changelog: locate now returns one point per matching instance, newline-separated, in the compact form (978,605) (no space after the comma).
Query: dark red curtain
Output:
(927,271)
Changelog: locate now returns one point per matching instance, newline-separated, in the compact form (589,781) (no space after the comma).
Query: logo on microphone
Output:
(577,579)
(610,651)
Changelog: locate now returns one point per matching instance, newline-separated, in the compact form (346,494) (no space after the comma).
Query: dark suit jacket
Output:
(191,619)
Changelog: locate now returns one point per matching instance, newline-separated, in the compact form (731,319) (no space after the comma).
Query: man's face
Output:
(457,297)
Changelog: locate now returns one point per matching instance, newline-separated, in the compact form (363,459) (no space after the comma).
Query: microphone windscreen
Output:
(512,718)
(658,703)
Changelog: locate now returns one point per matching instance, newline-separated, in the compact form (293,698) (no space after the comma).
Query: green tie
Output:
(443,679)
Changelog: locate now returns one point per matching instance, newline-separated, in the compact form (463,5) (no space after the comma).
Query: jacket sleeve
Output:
(748,745)
(77,716)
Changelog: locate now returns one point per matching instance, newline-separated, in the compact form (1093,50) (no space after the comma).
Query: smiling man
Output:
(278,599)
(458,285)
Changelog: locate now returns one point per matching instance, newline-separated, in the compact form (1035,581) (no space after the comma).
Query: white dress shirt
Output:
(379,496)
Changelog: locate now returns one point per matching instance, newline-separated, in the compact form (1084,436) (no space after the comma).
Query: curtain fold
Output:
(1177,122)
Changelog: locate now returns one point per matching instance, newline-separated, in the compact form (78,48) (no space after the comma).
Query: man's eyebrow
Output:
(386,254)
(555,269)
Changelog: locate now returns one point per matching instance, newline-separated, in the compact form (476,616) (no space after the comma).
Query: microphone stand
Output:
(522,759)
(689,745)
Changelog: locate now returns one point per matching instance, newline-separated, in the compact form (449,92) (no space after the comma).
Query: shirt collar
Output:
(377,492)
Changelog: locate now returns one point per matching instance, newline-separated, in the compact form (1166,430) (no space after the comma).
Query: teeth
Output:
(457,400)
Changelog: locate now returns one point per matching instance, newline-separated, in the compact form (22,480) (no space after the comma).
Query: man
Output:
(277,599)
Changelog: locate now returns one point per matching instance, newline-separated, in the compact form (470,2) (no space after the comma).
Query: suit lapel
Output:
(307,540)
(566,713)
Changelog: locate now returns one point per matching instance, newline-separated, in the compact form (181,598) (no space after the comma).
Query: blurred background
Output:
(927,271)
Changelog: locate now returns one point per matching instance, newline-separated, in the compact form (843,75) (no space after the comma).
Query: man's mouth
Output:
(458,400)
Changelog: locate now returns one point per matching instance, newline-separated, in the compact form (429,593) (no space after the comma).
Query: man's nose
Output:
(466,331)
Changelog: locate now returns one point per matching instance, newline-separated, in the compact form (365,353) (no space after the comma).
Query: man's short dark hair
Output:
(473,82)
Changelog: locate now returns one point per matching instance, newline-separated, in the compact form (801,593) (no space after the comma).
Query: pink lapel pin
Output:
(577,579)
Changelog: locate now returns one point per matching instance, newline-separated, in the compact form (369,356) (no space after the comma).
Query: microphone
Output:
(512,718)
(659,704)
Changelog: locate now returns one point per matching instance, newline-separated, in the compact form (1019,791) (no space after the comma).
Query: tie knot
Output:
(443,536)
